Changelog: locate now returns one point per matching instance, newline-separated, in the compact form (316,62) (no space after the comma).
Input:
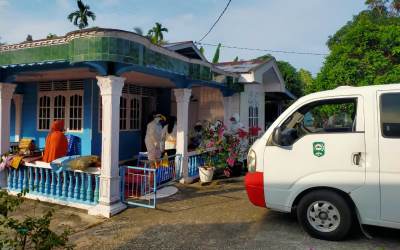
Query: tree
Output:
(156,33)
(2,43)
(29,38)
(138,31)
(80,17)
(216,54)
(202,50)
(236,59)
(365,51)
(291,78)
(51,36)
(307,80)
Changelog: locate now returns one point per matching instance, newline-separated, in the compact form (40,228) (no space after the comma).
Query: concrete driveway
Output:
(218,216)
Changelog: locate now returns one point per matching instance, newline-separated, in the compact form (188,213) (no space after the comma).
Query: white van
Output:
(333,158)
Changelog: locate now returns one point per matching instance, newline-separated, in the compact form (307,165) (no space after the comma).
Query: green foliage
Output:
(80,17)
(291,78)
(366,51)
(202,50)
(29,233)
(156,33)
(307,80)
(216,55)
(236,59)
(51,36)
(29,38)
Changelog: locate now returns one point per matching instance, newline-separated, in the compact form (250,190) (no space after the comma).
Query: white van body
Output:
(360,160)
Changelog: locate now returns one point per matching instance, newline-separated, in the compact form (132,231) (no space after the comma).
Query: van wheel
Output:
(325,215)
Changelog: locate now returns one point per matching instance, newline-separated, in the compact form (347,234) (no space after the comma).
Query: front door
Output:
(321,144)
(389,149)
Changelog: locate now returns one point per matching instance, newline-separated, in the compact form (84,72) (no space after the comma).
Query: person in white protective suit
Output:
(153,138)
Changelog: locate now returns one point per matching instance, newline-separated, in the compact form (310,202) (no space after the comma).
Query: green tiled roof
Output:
(104,45)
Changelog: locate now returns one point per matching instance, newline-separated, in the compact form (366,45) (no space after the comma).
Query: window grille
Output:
(44,118)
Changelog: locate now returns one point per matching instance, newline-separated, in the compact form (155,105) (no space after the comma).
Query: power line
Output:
(212,27)
(264,50)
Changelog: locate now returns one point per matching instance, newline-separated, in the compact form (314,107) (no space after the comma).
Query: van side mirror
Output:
(276,136)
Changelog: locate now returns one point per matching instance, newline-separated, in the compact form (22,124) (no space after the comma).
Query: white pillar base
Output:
(107,210)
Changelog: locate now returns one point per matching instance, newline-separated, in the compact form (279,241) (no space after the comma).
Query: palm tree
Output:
(156,33)
(80,17)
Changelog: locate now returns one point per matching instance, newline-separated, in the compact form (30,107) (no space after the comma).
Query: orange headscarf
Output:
(56,142)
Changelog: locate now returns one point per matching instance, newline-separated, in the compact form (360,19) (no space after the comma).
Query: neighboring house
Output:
(264,93)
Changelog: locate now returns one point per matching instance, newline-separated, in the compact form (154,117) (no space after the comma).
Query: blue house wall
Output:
(130,141)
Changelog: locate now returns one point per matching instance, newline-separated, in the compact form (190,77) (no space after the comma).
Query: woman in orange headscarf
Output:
(56,142)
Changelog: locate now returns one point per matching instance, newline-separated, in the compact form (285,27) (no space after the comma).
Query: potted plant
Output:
(213,138)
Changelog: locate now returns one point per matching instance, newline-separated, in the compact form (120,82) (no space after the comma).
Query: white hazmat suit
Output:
(153,139)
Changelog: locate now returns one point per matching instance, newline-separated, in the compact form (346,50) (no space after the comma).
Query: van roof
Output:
(350,90)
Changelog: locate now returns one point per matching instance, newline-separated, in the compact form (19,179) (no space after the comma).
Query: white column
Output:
(182,97)
(18,100)
(6,93)
(109,200)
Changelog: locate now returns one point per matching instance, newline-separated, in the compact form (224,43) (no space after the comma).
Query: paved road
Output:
(217,216)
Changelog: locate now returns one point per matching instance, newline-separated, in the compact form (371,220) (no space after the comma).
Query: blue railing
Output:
(198,159)
(72,186)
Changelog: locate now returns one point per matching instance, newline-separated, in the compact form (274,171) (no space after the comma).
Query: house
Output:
(104,83)
(262,98)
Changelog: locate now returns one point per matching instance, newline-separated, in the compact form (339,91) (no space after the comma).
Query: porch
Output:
(100,91)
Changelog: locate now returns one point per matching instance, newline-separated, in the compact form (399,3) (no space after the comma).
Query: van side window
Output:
(390,115)
(327,116)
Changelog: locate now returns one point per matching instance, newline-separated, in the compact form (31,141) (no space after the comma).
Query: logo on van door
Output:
(319,149)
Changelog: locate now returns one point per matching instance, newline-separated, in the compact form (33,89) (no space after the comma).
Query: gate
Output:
(139,183)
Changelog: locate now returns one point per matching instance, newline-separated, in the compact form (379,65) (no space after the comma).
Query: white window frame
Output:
(253,118)
(129,98)
(67,94)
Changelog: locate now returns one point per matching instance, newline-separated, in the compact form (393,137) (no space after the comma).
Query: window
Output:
(65,105)
(253,117)
(390,115)
(253,122)
(59,107)
(75,112)
(122,113)
(44,118)
(134,113)
(129,112)
(328,116)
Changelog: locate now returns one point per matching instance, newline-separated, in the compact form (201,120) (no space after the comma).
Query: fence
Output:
(67,186)
(198,159)
(139,183)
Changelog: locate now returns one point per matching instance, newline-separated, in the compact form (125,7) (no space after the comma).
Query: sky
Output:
(289,25)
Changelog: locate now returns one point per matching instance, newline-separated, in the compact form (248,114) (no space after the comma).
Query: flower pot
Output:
(206,174)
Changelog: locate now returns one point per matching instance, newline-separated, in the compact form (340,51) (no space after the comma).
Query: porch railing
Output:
(139,183)
(72,186)
(196,160)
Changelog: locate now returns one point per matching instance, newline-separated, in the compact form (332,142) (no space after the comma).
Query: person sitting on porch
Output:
(56,142)
(169,136)
(153,138)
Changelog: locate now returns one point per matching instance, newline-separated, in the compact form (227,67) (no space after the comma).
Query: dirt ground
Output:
(217,216)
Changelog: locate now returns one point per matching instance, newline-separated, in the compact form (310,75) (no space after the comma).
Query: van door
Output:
(389,150)
(320,144)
